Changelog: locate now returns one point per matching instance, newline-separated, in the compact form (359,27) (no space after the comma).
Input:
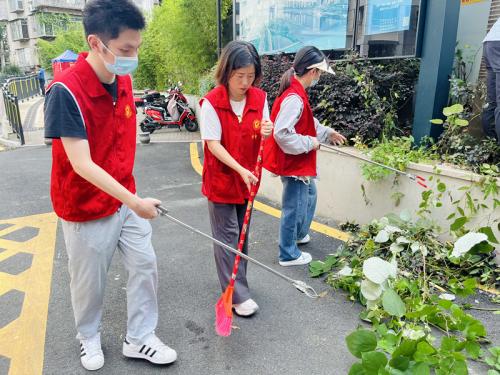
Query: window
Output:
(22,55)
(16,5)
(19,29)
(388,28)
(374,28)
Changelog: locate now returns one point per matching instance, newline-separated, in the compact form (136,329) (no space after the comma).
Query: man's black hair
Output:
(107,18)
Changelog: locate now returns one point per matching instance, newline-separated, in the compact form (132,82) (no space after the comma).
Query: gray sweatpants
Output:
(90,246)
(226,221)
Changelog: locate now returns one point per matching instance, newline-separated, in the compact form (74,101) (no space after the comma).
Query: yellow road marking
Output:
(317,227)
(23,339)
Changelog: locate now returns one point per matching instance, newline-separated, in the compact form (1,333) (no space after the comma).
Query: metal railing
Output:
(14,90)
(23,87)
(13,115)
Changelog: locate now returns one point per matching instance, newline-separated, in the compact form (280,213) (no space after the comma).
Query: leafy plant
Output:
(72,38)
(457,146)
(180,43)
(408,280)
(396,153)
(365,99)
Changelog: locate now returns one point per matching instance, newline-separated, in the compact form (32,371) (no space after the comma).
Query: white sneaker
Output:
(304,240)
(152,350)
(305,258)
(91,353)
(247,308)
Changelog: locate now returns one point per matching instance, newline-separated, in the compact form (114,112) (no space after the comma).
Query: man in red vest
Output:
(90,114)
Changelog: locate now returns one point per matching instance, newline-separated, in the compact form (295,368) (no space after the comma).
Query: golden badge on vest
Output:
(256,128)
(128,111)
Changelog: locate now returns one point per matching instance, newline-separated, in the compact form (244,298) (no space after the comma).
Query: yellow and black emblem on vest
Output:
(128,111)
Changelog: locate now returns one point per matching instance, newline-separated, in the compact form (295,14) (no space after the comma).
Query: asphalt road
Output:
(291,334)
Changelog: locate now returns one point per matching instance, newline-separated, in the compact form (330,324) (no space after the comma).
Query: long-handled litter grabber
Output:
(224,306)
(300,285)
(418,179)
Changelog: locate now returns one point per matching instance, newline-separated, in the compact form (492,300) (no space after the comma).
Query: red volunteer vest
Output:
(280,163)
(221,184)
(111,133)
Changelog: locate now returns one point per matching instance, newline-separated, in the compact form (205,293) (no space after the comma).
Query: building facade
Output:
(29,20)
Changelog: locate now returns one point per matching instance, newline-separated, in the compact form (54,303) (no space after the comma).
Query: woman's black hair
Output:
(305,57)
(236,55)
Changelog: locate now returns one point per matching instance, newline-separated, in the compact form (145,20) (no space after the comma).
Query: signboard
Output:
(388,16)
(286,26)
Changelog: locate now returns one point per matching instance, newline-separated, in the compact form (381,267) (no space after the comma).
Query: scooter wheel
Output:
(146,129)
(190,125)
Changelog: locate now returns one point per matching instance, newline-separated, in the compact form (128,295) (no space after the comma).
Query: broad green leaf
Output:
(406,349)
(458,223)
(392,303)
(424,350)
(489,232)
(400,363)
(459,368)
(461,122)
(437,121)
(373,361)
(453,110)
(448,343)
(421,369)
(473,349)
(360,341)
(474,330)
(357,369)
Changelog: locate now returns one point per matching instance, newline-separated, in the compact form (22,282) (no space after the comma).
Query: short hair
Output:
(236,55)
(108,18)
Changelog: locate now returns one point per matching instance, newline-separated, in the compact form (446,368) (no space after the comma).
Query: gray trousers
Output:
(491,114)
(90,246)
(226,221)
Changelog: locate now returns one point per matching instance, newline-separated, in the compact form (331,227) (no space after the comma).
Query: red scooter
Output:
(172,113)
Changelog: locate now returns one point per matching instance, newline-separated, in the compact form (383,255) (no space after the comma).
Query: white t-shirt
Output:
(494,33)
(210,127)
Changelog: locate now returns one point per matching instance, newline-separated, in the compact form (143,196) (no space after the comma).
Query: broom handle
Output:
(248,212)
(418,179)
(300,285)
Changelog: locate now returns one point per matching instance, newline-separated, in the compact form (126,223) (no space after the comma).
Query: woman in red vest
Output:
(234,116)
(291,152)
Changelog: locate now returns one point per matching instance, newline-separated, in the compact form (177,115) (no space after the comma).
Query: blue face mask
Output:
(314,82)
(123,65)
